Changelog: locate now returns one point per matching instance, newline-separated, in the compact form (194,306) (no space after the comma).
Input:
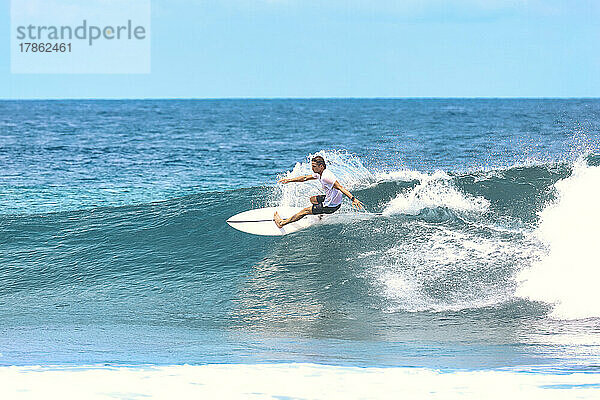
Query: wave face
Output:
(480,266)
(474,248)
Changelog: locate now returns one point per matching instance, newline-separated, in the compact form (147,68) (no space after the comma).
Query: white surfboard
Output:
(260,221)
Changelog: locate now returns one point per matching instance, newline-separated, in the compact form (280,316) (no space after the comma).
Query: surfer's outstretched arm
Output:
(302,178)
(355,202)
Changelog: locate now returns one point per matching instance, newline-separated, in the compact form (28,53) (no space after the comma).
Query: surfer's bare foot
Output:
(278,220)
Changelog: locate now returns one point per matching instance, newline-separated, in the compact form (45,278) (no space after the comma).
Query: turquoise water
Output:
(114,249)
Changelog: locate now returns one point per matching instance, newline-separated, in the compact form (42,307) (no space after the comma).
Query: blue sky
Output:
(352,48)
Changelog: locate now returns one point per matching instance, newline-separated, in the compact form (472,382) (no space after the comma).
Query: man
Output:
(328,203)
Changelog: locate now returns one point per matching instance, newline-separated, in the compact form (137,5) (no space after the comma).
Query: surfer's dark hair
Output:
(319,160)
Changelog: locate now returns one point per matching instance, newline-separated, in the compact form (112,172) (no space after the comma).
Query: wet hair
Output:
(319,161)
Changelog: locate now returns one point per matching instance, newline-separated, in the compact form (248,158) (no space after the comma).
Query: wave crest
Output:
(435,191)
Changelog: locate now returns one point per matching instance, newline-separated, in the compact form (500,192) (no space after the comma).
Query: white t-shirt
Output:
(333,197)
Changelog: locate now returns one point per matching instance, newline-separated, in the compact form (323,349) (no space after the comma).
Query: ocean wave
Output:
(449,268)
(567,275)
(430,241)
(435,191)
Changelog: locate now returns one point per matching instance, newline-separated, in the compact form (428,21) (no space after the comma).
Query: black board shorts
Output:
(320,209)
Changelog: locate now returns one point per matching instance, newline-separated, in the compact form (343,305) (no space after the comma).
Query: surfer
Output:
(328,203)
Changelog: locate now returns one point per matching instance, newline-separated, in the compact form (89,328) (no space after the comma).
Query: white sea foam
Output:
(406,175)
(270,381)
(568,275)
(434,191)
(435,268)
